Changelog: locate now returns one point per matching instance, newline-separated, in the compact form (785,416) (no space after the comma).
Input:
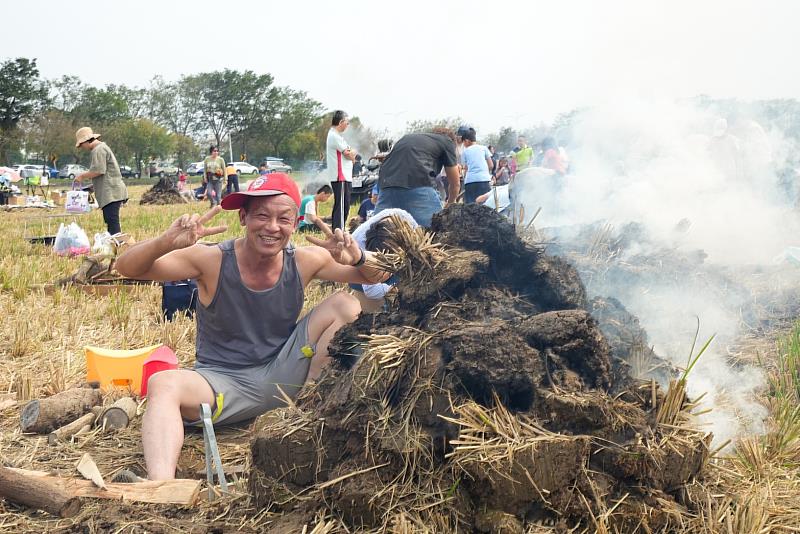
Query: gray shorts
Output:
(242,394)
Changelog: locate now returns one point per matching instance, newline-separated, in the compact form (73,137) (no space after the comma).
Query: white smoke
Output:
(693,182)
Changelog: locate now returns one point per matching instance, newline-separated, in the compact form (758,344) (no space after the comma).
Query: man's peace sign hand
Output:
(187,229)
(341,245)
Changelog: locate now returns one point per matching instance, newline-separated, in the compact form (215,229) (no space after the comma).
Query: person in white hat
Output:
(109,189)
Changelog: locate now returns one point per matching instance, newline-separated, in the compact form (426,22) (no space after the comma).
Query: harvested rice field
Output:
(501,391)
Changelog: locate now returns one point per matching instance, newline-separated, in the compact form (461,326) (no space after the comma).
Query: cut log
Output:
(71,429)
(38,492)
(178,491)
(119,414)
(45,415)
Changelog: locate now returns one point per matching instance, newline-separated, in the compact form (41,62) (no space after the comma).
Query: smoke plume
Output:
(698,185)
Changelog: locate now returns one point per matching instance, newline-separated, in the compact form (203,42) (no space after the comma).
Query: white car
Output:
(195,169)
(71,171)
(33,170)
(242,167)
(162,169)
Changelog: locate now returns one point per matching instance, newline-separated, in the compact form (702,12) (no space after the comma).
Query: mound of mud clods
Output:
(486,400)
(163,192)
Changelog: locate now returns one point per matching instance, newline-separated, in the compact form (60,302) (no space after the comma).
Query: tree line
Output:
(175,120)
(178,120)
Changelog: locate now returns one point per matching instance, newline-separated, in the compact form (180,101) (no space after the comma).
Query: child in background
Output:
(367,207)
(233,179)
(308,208)
(376,234)
(502,175)
(183,188)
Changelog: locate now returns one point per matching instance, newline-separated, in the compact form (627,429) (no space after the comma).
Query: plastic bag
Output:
(71,241)
(102,244)
(77,202)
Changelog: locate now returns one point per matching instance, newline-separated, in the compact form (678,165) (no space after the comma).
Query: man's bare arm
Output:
(453,183)
(172,255)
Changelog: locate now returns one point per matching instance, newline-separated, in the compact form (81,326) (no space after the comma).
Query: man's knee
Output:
(181,386)
(163,384)
(338,309)
(346,306)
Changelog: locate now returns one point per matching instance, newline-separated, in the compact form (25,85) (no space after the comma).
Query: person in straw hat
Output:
(109,189)
(251,347)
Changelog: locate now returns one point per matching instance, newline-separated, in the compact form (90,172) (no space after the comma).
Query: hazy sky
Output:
(494,63)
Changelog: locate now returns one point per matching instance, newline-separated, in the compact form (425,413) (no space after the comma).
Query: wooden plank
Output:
(178,491)
(70,429)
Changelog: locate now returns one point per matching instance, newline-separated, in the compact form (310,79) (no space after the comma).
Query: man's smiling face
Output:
(269,222)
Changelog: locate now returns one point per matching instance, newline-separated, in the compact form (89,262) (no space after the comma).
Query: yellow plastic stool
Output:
(120,368)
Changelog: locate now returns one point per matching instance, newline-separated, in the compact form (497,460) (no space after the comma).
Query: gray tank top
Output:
(242,327)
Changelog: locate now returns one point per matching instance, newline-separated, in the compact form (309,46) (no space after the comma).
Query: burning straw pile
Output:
(487,398)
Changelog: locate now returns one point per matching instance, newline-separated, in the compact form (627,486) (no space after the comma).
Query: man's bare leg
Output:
(368,305)
(329,316)
(171,395)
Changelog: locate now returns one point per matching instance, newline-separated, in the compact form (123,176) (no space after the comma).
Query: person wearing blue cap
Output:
(367,207)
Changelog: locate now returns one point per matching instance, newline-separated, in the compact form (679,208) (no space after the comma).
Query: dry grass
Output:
(41,352)
(753,490)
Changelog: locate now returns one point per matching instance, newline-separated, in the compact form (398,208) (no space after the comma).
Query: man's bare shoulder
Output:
(310,259)
(203,255)
(311,254)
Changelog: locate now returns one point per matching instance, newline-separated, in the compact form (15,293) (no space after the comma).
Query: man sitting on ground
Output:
(367,207)
(309,220)
(377,234)
(251,292)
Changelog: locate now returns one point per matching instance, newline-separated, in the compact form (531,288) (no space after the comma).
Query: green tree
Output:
(426,125)
(22,95)
(52,135)
(65,93)
(302,146)
(100,107)
(185,149)
(176,106)
(230,100)
(504,140)
(139,139)
(291,112)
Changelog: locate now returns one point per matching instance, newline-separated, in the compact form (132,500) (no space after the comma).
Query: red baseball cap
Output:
(276,183)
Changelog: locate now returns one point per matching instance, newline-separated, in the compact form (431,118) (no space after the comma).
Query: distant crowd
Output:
(423,172)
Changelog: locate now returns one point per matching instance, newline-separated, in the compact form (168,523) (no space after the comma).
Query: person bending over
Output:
(309,220)
(109,189)
(377,234)
(251,291)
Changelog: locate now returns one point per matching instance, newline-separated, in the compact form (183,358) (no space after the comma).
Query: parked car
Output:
(38,170)
(195,169)
(277,164)
(71,171)
(242,167)
(161,169)
(128,172)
